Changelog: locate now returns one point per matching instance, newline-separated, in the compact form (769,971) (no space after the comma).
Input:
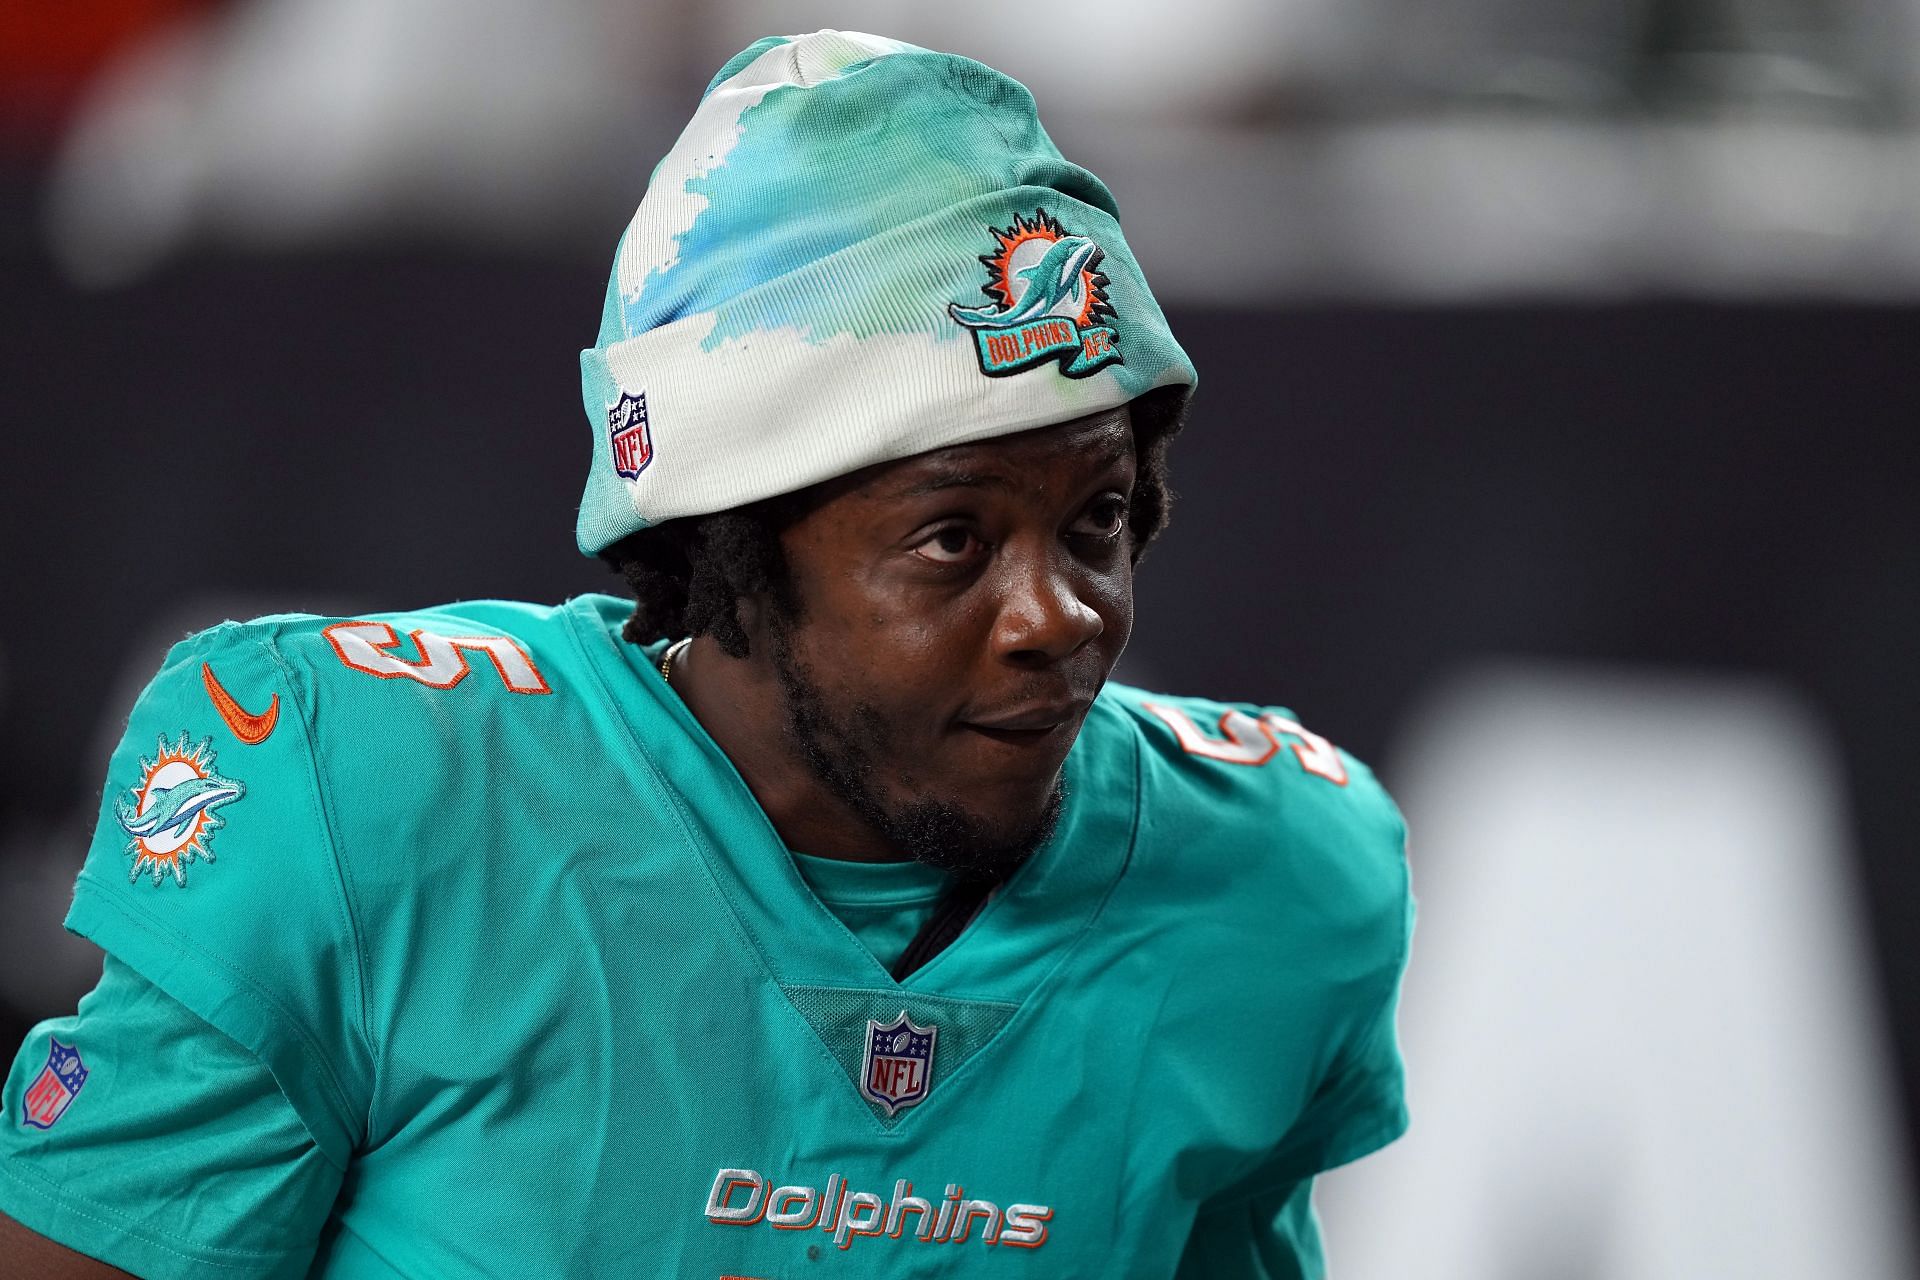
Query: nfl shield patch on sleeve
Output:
(55,1088)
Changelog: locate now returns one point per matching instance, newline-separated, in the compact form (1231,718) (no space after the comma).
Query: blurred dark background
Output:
(1572,333)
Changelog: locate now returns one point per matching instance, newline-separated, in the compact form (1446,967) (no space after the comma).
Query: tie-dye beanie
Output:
(858,250)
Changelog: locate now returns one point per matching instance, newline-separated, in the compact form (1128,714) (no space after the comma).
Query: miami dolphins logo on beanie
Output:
(1048,300)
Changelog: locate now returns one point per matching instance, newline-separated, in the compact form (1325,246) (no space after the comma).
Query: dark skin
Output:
(958,611)
(29,1256)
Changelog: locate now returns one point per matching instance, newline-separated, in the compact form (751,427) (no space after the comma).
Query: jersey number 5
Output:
(1242,739)
(367,646)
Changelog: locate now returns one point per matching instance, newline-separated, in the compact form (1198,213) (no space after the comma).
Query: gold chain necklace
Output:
(674,650)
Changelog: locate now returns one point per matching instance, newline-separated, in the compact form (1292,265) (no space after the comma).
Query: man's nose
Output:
(1045,615)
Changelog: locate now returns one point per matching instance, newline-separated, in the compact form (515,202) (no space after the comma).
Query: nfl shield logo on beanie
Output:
(627,433)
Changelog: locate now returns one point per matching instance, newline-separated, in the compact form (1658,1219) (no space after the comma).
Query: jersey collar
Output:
(1009,952)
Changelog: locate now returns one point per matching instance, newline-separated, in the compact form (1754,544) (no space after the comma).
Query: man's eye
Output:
(1106,518)
(951,545)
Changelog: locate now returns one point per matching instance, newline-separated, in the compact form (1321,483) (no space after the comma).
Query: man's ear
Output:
(755,613)
(752,614)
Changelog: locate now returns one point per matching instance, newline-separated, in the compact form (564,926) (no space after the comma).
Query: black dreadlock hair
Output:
(687,575)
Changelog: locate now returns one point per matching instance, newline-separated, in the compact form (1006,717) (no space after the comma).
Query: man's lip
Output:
(1031,718)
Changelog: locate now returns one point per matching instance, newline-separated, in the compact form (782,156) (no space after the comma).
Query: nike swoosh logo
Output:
(246,726)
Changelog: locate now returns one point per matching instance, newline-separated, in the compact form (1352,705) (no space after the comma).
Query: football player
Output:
(822,910)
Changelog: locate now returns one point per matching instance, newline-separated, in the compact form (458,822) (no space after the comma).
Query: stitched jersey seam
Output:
(348,905)
(1389,1126)
(245,986)
(108,1216)
(730,908)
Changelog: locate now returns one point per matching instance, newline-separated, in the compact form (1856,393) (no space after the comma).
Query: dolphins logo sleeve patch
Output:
(171,813)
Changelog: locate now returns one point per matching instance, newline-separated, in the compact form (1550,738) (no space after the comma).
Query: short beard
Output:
(936,832)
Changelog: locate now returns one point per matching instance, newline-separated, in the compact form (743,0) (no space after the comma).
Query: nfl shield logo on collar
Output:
(48,1097)
(899,1063)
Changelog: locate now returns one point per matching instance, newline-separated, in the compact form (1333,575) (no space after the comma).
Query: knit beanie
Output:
(857,251)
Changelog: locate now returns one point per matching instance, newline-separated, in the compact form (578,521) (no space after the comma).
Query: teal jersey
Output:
(884,904)
(449,944)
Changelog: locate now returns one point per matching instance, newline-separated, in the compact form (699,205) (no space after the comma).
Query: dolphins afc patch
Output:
(1048,301)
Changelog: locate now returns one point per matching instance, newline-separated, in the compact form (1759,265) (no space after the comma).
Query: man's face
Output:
(958,611)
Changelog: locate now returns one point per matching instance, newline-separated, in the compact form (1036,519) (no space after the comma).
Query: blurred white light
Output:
(1134,60)
(1640,1020)
(1351,149)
